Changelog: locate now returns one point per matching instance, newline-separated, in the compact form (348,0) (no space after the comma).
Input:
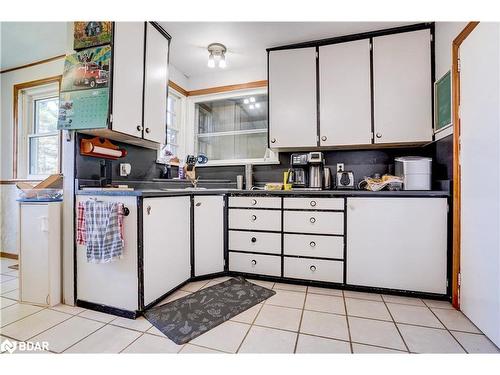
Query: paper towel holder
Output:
(101,148)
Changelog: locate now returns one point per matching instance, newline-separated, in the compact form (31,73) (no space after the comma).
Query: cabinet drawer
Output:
(314,269)
(255,219)
(314,203)
(255,263)
(255,202)
(314,222)
(255,242)
(314,246)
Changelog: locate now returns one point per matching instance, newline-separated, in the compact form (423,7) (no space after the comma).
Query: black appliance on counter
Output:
(298,172)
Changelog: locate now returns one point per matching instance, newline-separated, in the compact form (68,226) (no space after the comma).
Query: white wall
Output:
(176,76)
(222,77)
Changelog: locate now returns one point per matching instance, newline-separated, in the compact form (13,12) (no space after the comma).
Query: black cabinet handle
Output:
(254,239)
(312,244)
(312,268)
(139,128)
(313,203)
(273,140)
(254,262)
(147,130)
(312,220)
(254,217)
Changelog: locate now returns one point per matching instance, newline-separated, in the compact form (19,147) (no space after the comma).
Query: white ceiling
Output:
(247,41)
(25,42)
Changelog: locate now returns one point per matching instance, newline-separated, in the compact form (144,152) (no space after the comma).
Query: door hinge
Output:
(371,46)
(110,118)
(317,54)
(459,65)
(459,279)
(432,38)
(373,136)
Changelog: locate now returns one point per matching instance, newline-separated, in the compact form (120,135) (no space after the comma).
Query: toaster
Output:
(344,180)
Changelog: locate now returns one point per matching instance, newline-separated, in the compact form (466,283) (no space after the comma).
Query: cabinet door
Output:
(128,63)
(167,245)
(402,87)
(345,94)
(155,86)
(34,253)
(208,234)
(397,243)
(292,98)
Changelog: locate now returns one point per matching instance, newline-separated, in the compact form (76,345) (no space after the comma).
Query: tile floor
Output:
(297,319)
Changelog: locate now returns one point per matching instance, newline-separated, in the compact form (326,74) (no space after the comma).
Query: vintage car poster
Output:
(91,33)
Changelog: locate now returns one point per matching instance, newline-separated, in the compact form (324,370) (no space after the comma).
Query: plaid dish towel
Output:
(81,234)
(102,229)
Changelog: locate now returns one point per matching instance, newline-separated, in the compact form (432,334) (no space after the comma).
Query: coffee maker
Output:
(316,163)
(297,175)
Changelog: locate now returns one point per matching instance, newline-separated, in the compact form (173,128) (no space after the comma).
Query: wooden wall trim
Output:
(32,64)
(15,181)
(9,255)
(18,87)
(178,88)
(456,160)
(219,89)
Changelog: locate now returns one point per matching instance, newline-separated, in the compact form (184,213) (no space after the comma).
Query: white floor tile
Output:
(329,304)
(375,332)
(73,310)
(268,340)
(12,295)
(326,291)
(324,324)
(363,295)
(265,284)
(193,349)
(414,315)
(68,333)
(194,286)
(152,344)
(226,337)
(248,316)
(15,312)
(314,344)
(216,281)
(4,302)
(439,304)
(287,299)
(97,315)
(429,340)
(34,324)
(155,331)
(368,349)
(9,286)
(175,295)
(475,343)
(108,339)
(455,320)
(403,300)
(367,309)
(139,324)
(279,317)
(291,287)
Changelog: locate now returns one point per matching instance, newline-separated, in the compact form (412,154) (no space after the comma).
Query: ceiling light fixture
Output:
(217,53)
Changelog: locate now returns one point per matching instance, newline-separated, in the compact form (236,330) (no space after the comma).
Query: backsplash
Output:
(361,162)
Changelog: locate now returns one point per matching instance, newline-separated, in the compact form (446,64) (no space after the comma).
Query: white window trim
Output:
(271,157)
(181,141)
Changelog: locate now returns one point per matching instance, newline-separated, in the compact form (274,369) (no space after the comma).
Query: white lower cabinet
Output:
(167,244)
(314,269)
(208,234)
(397,243)
(258,264)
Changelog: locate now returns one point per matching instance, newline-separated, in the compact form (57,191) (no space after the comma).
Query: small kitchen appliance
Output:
(416,172)
(344,180)
(316,163)
(297,176)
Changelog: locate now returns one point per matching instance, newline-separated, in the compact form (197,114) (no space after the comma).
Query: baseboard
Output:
(9,255)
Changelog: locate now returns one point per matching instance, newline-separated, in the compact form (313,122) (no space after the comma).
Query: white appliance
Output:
(416,172)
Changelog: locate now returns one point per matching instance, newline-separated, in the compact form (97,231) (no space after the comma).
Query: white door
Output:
(345,94)
(155,86)
(480,157)
(402,87)
(167,245)
(393,242)
(128,63)
(208,234)
(292,98)
(34,253)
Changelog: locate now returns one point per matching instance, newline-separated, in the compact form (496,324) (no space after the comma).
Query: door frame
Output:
(455,71)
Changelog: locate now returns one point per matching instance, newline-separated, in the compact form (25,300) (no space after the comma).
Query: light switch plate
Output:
(125,169)
(340,167)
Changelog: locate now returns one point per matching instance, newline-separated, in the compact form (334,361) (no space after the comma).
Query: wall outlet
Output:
(340,167)
(125,169)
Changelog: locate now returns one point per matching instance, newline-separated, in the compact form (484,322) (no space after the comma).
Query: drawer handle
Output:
(312,220)
(254,217)
(312,244)
(254,202)
(254,262)
(148,210)
(313,203)
(139,128)
(147,130)
(254,239)
(379,135)
(323,138)
(273,140)
(312,268)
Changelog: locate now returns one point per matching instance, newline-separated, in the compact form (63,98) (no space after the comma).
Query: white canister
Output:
(416,172)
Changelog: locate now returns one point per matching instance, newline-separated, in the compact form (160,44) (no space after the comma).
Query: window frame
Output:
(272,157)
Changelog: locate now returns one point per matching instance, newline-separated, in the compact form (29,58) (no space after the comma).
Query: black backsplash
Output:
(361,162)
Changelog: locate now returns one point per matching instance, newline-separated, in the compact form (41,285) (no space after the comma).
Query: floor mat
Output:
(188,317)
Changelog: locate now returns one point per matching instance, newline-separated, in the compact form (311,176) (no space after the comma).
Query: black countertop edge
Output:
(324,193)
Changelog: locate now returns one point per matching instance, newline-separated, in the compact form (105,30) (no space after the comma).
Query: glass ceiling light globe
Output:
(222,62)
(252,100)
(257,105)
(246,101)
(211,61)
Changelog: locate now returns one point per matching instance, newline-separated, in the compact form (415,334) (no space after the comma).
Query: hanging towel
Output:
(81,234)
(102,229)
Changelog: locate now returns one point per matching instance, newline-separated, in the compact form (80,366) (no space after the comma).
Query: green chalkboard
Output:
(443,101)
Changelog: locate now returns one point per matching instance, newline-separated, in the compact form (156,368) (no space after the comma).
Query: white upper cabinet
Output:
(402,87)
(345,97)
(292,98)
(155,85)
(128,59)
